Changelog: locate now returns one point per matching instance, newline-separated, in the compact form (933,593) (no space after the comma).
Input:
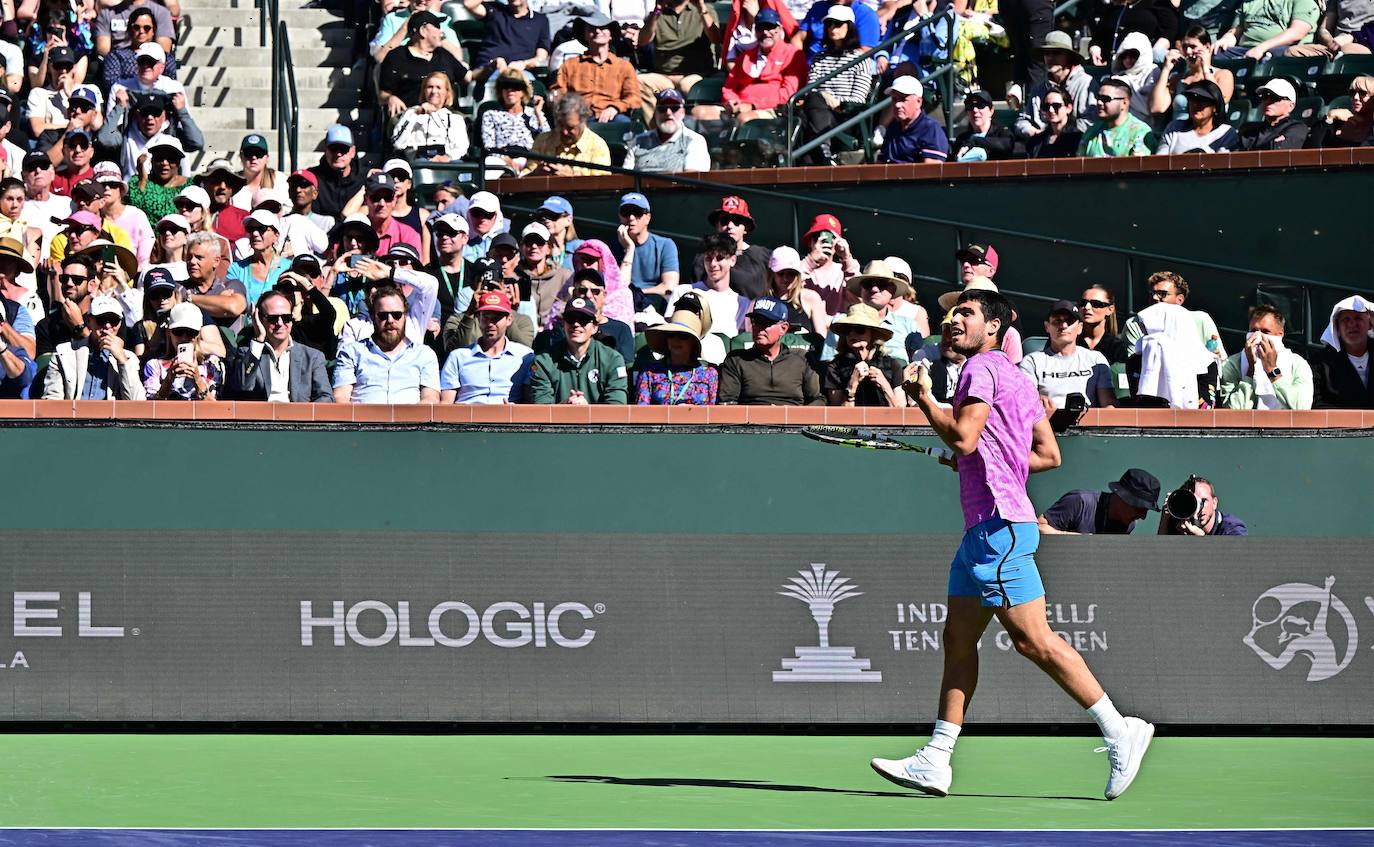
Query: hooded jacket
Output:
(619,301)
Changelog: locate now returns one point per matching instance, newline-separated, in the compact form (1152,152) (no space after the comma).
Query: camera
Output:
(1182,505)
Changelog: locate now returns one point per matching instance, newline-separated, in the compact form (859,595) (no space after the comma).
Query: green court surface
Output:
(668,781)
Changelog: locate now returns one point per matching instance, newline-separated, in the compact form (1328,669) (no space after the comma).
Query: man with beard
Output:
(670,147)
(999,434)
(386,367)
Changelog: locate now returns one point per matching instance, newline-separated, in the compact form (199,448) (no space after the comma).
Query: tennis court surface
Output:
(669,791)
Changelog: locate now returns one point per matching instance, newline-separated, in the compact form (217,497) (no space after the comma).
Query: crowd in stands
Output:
(674,85)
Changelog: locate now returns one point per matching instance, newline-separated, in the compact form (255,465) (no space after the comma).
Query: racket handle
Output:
(943,453)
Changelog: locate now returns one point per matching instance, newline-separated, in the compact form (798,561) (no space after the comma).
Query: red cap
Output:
(308,176)
(732,205)
(494,301)
(823,223)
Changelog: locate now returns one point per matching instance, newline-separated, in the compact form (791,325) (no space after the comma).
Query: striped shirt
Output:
(851,86)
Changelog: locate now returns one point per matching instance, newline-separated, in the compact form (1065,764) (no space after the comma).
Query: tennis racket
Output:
(849,436)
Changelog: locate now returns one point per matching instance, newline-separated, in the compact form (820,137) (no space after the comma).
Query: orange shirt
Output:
(609,83)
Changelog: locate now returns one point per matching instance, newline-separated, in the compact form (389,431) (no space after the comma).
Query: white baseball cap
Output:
(486,201)
(899,266)
(1280,88)
(271,195)
(186,316)
(152,50)
(397,165)
(905,85)
(196,195)
(105,305)
(264,218)
(176,220)
(452,220)
(840,13)
(535,228)
(785,259)
(164,140)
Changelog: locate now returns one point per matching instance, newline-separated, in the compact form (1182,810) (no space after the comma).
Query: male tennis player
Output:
(999,433)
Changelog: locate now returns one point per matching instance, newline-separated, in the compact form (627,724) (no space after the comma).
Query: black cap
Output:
(1067,306)
(419,19)
(61,56)
(401,250)
(36,161)
(302,260)
(158,279)
(979,96)
(1138,488)
(505,239)
(1206,90)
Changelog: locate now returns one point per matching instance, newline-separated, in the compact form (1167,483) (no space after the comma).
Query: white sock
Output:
(1108,719)
(942,739)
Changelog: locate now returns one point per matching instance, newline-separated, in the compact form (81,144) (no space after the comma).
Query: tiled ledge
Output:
(325,413)
(781,178)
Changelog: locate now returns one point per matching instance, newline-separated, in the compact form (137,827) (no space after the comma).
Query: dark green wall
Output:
(1270,220)
(671,481)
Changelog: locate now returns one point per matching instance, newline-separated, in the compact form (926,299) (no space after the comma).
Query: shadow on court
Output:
(760,785)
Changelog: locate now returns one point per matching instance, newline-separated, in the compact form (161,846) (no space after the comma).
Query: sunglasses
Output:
(1269,95)
(62,68)
(1355,92)
(78,143)
(1096,304)
(253,154)
(273,320)
(578,319)
(668,108)
(44,166)
(146,61)
(445,232)
(760,322)
(79,107)
(1159,293)
(255,230)
(732,220)
(173,230)
(533,241)
(1054,107)
(71,279)
(588,291)
(399,176)
(183,333)
(185,206)
(390,316)
(338,149)
(166,158)
(108,321)
(140,27)
(381,197)
(633,212)
(482,213)
(400,262)
(1106,98)
(152,111)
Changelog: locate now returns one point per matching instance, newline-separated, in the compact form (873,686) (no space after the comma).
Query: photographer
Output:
(186,370)
(400,266)
(1193,509)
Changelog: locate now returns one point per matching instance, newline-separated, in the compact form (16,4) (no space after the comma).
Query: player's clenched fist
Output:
(915,380)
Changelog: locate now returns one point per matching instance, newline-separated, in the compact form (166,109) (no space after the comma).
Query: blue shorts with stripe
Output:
(996,561)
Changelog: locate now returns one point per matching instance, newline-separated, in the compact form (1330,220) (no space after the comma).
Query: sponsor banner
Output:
(312,626)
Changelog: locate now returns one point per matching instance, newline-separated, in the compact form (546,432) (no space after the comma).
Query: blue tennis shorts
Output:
(996,561)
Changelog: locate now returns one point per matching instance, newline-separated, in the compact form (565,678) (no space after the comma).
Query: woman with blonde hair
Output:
(1349,127)
(430,130)
(257,171)
(805,308)
(170,242)
(184,371)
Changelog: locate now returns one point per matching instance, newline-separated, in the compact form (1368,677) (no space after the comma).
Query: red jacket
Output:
(789,23)
(766,82)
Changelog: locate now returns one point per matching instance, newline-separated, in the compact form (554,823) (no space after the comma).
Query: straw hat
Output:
(685,302)
(683,323)
(865,316)
(949,298)
(11,248)
(878,269)
(123,255)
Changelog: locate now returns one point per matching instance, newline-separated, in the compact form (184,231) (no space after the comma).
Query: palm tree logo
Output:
(820,590)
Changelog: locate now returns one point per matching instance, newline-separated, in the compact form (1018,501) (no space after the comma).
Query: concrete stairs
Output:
(228,75)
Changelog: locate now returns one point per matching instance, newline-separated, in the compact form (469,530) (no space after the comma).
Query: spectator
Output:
(569,139)
(1114,512)
(172,232)
(11,154)
(682,33)
(1064,368)
(1262,30)
(1340,368)
(1063,71)
(943,363)
(47,104)
(517,119)
(588,284)
(219,182)
(184,371)
(17,329)
(41,205)
(353,242)
(763,77)
(380,196)
(805,309)
(982,140)
(112,373)
(740,32)
(74,158)
(485,222)
(393,33)
(607,82)
(768,373)
(577,369)
(1266,374)
(225,300)
(1154,21)
(669,147)
(272,366)
(650,260)
(1352,127)
(300,232)
(115,28)
(494,369)
(545,278)
(1097,308)
(431,131)
(728,307)
(131,220)
(749,276)
(83,114)
(389,366)
(134,121)
(83,227)
(912,136)
(303,188)
(463,328)
(318,274)
(401,72)
(515,37)
(1345,28)
(149,76)
(879,288)
(70,290)
(338,177)
(556,214)
(419,293)
(1175,369)
(1028,23)
(1169,287)
(448,235)
(1116,132)
(813,33)
(977,266)
(258,271)
(122,62)
(1184,67)
(824,107)
(1058,136)
(828,264)
(862,373)
(680,377)
(12,224)
(906,306)
(1209,518)
(1280,129)
(1201,132)
(256,174)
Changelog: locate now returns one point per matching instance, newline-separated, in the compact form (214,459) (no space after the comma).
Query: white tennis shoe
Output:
(1126,754)
(919,771)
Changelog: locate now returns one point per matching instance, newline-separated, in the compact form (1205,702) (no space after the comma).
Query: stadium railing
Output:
(285,108)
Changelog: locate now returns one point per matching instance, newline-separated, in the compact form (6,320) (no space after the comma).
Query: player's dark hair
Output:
(717,242)
(995,308)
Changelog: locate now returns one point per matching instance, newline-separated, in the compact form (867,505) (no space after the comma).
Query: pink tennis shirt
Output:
(992,481)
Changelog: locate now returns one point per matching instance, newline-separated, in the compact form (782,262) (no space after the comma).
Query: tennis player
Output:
(999,434)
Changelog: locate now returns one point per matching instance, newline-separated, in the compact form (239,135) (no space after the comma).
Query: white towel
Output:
(1265,396)
(1349,304)
(1166,371)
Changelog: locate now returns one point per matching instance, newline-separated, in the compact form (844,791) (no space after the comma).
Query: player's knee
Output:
(1037,648)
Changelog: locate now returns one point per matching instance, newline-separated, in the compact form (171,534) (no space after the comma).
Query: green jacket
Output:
(1293,388)
(601,376)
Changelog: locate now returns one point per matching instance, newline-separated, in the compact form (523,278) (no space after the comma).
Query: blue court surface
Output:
(683,838)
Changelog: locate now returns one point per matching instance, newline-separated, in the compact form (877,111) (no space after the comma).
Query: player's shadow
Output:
(760,785)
